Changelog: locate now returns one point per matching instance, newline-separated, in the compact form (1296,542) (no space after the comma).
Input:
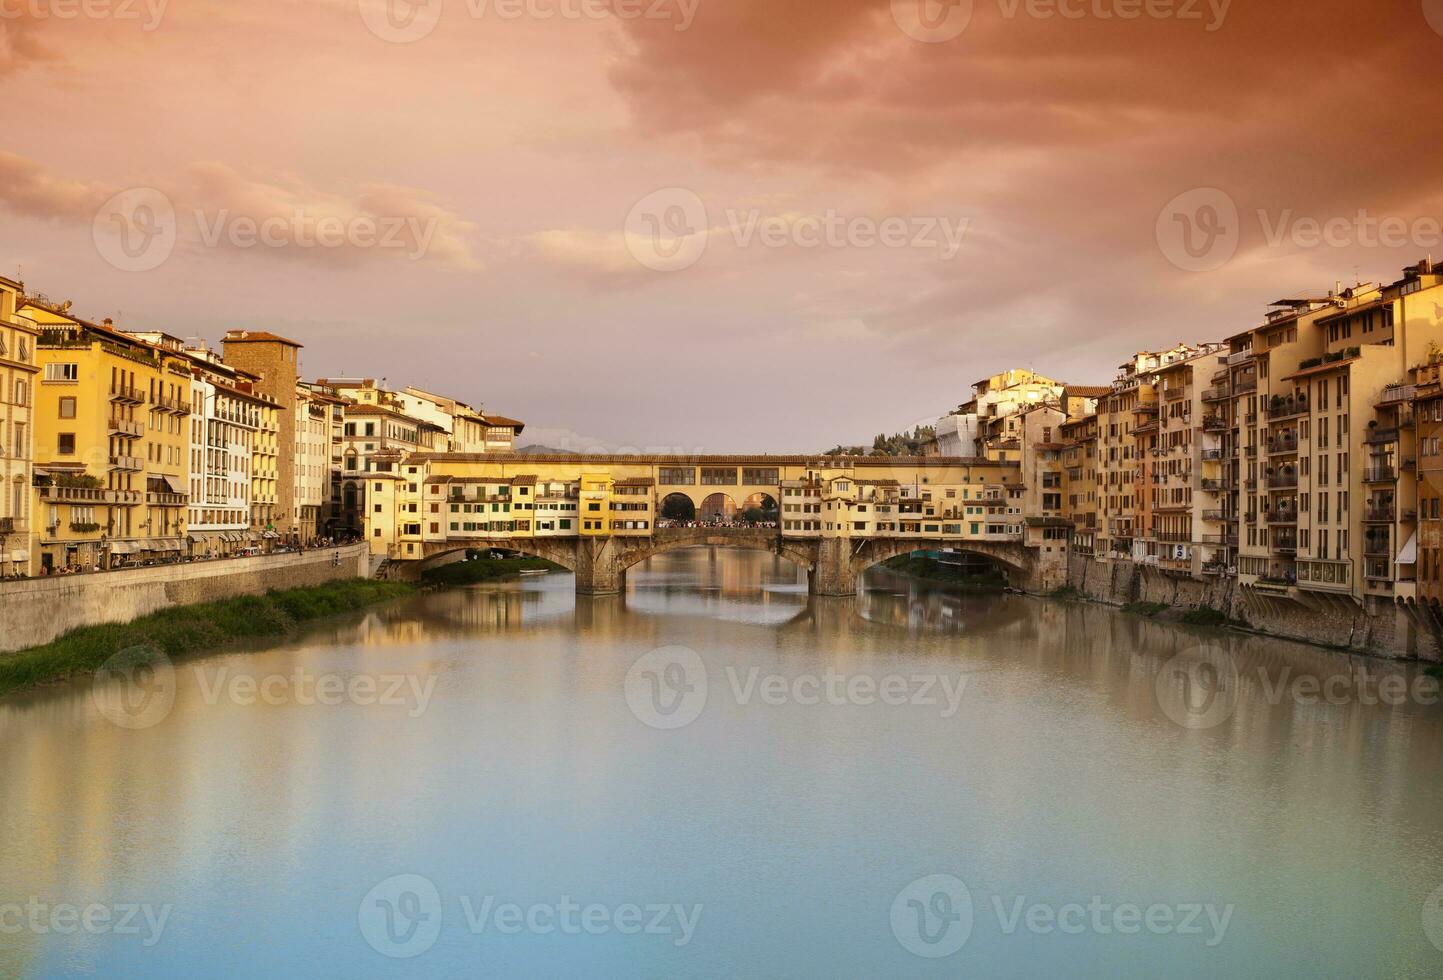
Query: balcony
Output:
(1393,394)
(1212,455)
(125,427)
(1213,486)
(130,463)
(1276,582)
(1377,436)
(1380,474)
(1215,394)
(1285,444)
(1281,515)
(1240,357)
(1282,481)
(127,395)
(1251,452)
(1251,418)
(1286,408)
(1214,539)
(1173,537)
(1375,547)
(1245,386)
(1214,423)
(1214,515)
(1174,393)
(177,406)
(87,495)
(166,499)
(1380,514)
(1285,544)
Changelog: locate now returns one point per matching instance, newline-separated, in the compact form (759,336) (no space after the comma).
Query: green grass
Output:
(483,570)
(1205,616)
(188,629)
(1148,609)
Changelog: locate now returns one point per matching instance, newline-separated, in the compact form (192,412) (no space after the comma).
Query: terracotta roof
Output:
(1320,368)
(500,420)
(529,480)
(256,337)
(635,481)
(1088,391)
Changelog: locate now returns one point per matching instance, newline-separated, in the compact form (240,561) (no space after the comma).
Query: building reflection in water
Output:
(227,809)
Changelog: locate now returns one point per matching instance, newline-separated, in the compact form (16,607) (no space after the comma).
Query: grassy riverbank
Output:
(485,570)
(930,570)
(190,629)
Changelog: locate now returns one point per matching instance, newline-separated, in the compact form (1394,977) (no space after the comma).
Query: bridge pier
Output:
(833,573)
(599,567)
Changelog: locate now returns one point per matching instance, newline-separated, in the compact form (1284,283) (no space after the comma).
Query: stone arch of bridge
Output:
(560,551)
(801,553)
(878,550)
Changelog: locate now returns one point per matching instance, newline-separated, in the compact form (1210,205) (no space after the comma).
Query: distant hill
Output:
(544,451)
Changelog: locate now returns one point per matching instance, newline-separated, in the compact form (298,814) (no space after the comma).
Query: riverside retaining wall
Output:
(35,611)
(1378,627)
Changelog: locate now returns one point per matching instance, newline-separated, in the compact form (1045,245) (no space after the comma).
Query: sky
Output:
(708,226)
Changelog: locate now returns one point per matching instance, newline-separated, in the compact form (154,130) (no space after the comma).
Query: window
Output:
(65,444)
(62,372)
(67,408)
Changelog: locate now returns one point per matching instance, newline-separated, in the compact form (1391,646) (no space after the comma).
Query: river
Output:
(715,775)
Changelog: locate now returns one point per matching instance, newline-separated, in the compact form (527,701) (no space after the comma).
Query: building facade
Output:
(18,371)
(112,445)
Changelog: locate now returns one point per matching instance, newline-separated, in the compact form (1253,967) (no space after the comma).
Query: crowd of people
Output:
(150,559)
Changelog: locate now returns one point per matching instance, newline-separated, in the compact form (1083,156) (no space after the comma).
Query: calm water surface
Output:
(519,764)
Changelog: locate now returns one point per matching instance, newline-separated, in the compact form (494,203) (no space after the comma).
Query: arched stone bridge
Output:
(834,565)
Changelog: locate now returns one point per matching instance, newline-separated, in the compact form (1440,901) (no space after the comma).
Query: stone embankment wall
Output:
(1378,627)
(36,611)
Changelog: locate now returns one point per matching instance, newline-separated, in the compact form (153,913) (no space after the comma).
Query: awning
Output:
(195,538)
(123,547)
(270,534)
(19,556)
(1409,554)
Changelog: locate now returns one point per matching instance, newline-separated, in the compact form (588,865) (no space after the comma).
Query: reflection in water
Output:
(1063,776)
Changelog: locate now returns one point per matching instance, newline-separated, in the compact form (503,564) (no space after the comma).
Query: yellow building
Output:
(18,337)
(265,468)
(111,445)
